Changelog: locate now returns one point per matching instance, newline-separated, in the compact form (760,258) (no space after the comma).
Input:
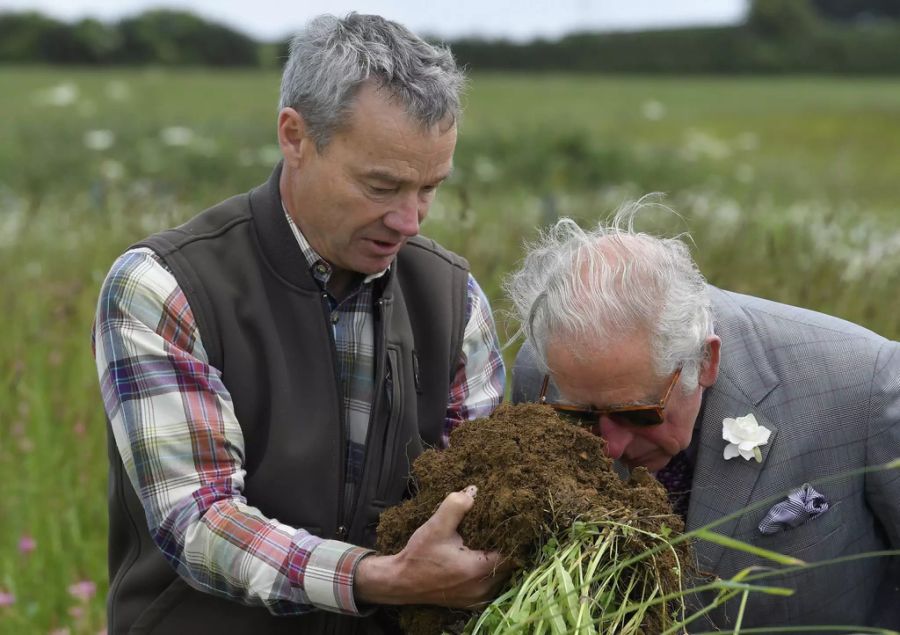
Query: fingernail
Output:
(471,490)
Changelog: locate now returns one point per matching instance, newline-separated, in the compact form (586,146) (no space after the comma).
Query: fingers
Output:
(435,566)
(453,508)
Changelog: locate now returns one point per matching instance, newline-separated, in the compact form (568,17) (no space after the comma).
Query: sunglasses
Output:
(641,416)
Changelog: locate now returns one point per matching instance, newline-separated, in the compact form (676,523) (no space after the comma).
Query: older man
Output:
(731,400)
(271,368)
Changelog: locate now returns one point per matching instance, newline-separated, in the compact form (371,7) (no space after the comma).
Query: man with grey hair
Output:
(271,368)
(734,402)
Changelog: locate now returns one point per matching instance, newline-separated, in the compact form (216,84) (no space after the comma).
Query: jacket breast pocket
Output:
(818,538)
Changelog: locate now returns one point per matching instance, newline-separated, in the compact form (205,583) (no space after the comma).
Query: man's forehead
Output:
(372,100)
(589,350)
(618,373)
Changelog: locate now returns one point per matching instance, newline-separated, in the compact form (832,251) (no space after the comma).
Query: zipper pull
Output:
(415,367)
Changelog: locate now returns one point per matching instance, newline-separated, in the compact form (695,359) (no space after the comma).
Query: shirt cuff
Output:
(330,571)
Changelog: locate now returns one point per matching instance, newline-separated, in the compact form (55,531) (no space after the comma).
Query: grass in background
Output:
(788,187)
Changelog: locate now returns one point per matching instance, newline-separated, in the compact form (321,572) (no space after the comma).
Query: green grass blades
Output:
(577,586)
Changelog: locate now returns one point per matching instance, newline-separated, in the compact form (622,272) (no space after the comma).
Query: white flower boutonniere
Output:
(744,436)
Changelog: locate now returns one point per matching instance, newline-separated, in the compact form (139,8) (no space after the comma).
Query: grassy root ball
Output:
(535,474)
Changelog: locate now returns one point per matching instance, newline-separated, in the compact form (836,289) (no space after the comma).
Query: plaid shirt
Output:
(182,446)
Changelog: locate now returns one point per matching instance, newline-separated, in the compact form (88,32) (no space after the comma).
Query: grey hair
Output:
(591,288)
(331,58)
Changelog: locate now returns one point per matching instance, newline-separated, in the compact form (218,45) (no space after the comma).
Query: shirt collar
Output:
(318,266)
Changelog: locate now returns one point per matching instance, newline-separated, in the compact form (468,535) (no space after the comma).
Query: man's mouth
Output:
(385,246)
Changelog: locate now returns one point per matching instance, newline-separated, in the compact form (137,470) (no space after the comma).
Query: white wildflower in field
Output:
(112,170)
(872,251)
(269,154)
(727,213)
(653,110)
(721,215)
(438,212)
(827,236)
(118,90)
(747,141)
(34,269)
(12,221)
(177,136)
(485,169)
(703,145)
(99,139)
(60,95)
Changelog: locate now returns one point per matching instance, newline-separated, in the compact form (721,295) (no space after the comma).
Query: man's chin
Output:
(370,264)
(376,263)
(376,266)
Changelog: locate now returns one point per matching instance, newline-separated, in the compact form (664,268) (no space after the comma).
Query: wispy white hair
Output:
(588,289)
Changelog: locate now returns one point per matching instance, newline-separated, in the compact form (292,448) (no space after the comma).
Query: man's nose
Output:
(618,437)
(404,217)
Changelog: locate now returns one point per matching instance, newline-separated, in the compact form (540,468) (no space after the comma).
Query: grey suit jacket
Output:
(829,391)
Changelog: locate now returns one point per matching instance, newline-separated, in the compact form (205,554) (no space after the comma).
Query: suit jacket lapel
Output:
(721,487)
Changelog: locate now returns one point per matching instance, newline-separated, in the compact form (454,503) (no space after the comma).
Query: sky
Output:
(521,21)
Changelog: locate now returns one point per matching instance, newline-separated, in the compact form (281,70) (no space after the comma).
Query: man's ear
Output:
(709,367)
(293,138)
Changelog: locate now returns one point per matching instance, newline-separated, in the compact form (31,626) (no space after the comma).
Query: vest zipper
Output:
(391,428)
(369,464)
(341,528)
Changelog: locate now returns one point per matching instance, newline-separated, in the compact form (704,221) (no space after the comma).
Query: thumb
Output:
(453,508)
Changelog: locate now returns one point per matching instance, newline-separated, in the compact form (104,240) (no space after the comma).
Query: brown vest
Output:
(265,325)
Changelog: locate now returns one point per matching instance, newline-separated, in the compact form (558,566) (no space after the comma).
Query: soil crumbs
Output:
(536,474)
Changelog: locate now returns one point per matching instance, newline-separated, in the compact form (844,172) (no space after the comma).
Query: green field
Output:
(789,187)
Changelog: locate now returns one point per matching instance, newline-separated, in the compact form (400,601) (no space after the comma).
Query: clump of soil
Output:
(535,474)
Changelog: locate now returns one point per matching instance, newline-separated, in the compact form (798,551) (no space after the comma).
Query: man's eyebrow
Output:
(381,174)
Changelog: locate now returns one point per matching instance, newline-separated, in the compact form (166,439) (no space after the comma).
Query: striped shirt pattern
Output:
(183,449)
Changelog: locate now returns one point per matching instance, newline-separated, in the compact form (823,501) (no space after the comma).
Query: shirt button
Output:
(321,269)
(342,532)
(335,316)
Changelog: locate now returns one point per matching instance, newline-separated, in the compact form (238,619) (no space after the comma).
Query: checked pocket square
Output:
(800,506)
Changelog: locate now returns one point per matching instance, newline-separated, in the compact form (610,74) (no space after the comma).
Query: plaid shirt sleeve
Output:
(183,450)
(477,388)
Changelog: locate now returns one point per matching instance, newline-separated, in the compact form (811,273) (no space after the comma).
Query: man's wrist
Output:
(375,580)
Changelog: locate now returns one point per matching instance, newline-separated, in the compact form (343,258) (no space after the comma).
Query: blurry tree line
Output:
(174,38)
(843,36)
(814,36)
